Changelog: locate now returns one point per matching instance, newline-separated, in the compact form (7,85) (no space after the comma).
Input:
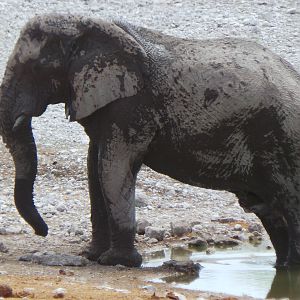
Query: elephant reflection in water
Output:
(286,284)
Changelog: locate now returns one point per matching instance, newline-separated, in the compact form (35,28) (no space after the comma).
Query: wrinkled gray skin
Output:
(220,114)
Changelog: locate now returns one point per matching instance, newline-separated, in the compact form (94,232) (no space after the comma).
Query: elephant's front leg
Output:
(100,228)
(118,167)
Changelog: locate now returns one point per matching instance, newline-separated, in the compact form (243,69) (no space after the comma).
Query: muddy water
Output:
(247,272)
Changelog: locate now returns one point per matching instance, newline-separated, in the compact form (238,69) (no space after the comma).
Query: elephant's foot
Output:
(93,251)
(129,258)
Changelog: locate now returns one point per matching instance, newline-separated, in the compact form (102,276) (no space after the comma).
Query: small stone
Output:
(2,231)
(5,291)
(26,293)
(238,227)
(59,293)
(210,251)
(175,296)
(78,232)
(55,259)
(225,220)
(155,232)
(120,267)
(197,228)
(179,230)
(141,226)
(293,11)
(150,288)
(3,273)
(61,207)
(3,248)
(198,244)
(240,237)
(140,200)
(152,241)
(226,242)
(255,227)
(188,267)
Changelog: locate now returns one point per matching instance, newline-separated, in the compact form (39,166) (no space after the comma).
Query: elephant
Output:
(221,113)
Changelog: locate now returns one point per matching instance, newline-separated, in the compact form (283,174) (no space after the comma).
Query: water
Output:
(247,272)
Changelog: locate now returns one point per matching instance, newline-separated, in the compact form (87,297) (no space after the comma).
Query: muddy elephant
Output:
(219,114)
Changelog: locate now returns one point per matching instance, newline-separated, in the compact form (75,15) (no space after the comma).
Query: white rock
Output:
(59,293)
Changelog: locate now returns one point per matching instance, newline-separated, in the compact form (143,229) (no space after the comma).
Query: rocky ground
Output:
(173,212)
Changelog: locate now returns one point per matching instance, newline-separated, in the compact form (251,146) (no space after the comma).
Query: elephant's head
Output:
(81,62)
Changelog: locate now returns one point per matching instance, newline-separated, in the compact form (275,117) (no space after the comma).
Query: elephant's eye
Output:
(43,60)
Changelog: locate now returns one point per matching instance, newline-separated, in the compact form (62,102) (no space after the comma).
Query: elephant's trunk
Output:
(20,141)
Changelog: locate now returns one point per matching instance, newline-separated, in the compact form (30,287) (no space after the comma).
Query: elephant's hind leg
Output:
(273,222)
(277,229)
(100,228)
(292,216)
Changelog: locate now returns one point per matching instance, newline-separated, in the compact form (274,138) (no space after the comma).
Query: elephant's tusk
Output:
(21,121)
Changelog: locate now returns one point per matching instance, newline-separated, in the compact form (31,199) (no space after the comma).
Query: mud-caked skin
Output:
(220,114)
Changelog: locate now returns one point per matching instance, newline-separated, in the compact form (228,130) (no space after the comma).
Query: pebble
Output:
(155,232)
(293,11)
(199,244)
(175,296)
(238,227)
(5,291)
(226,242)
(183,267)
(149,288)
(152,241)
(26,293)
(55,259)
(141,226)
(255,227)
(59,293)
(180,229)
(3,248)
(210,251)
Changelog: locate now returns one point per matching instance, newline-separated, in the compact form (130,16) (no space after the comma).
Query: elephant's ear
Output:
(110,71)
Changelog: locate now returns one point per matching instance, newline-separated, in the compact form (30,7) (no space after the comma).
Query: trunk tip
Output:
(42,230)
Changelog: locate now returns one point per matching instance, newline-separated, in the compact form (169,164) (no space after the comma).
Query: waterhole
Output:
(247,272)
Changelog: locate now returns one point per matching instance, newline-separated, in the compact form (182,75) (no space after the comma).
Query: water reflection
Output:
(184,278)
(286,284)
(180,253)
(236,272)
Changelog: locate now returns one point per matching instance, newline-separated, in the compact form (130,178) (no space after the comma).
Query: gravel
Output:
(61,186)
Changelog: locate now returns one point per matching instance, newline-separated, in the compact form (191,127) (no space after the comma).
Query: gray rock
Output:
(61,207)
(182,267)
(3,248)
(226,242)
(152,241)
(14,230)
(225,220)
(255,227)
(240,237)
(140,200)
(180,229)
(293,11)
(238,227)
(155,232)
(141,226)
(198,228)
(198,244)
(55,259)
